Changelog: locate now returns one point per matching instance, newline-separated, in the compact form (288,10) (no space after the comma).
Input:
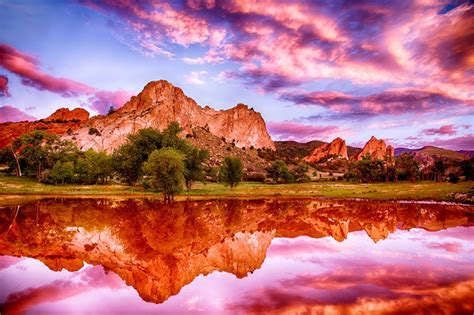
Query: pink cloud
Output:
(27,68)
(443,130)
(290,130)
(10,113)
(103,100)
(157,23)
(4,86)
(388,102)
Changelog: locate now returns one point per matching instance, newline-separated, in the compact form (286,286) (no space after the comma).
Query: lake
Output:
(233,256)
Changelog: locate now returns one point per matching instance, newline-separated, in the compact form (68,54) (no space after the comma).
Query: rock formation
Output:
(161,103)
(61,122)
(158,248)
(156,106)
(376,149)
(64,115)
(337,147)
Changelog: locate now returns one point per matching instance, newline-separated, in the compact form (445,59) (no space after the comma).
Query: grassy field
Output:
(11,185)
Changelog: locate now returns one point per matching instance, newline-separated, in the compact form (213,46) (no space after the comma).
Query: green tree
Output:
(194,166)
(94,167)
(62,172)
(407,166)
(368,170)
(128,159)
(279,172)
(33,148)
(166,168)
(300,173)
(231,171)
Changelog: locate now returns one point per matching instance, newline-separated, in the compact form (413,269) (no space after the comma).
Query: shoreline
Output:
(427,191)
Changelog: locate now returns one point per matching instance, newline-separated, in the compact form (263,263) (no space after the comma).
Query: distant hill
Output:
(435,152)
(298,150)
(469,153)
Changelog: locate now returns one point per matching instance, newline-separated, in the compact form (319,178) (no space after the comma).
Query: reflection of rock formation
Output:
(160,248)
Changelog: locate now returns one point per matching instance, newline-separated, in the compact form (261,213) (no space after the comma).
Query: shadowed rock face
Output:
(161,103)
(377,150)
(159,248)
(336,148)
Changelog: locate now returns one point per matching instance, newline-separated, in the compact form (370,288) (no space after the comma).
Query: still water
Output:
(268,256)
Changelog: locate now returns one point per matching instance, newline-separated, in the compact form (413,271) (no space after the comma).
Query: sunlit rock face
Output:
(158,248)
(65,114)
(161,103)
(377,150)
(337,148)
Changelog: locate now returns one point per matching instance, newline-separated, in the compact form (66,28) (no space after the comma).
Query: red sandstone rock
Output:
(161,103)
(336,147)
(156,106)
(377,150)
(65,114)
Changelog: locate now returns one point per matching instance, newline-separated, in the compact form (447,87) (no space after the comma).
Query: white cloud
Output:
(195,77)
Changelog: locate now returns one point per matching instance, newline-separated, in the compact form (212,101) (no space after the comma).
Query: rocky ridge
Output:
(65,115)
(161,103)
(377,150)
(337,148)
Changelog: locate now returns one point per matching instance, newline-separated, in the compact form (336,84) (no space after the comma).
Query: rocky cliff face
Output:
(161,103)
(337,147)
(64,115)
(377,150)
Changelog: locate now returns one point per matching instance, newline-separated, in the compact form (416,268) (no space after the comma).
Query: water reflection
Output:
(158,249)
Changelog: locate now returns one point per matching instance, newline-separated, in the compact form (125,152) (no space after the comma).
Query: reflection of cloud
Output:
(58,290)
(358,289)
(451,247)
(462,233)
(299,246)
(7,261)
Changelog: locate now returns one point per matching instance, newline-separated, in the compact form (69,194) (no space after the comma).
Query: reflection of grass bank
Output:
(416,191)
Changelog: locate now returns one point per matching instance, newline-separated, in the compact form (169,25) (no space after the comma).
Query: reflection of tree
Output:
(158,247)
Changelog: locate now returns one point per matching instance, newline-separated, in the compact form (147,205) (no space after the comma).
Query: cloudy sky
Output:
(399,70)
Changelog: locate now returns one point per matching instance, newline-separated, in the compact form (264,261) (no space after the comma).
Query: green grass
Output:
(12,185)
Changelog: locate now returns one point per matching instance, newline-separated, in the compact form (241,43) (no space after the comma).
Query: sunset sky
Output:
(399,70)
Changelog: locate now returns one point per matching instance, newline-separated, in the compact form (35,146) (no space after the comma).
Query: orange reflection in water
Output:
(159,248)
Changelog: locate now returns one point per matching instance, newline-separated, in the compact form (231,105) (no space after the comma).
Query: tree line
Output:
(158,160)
